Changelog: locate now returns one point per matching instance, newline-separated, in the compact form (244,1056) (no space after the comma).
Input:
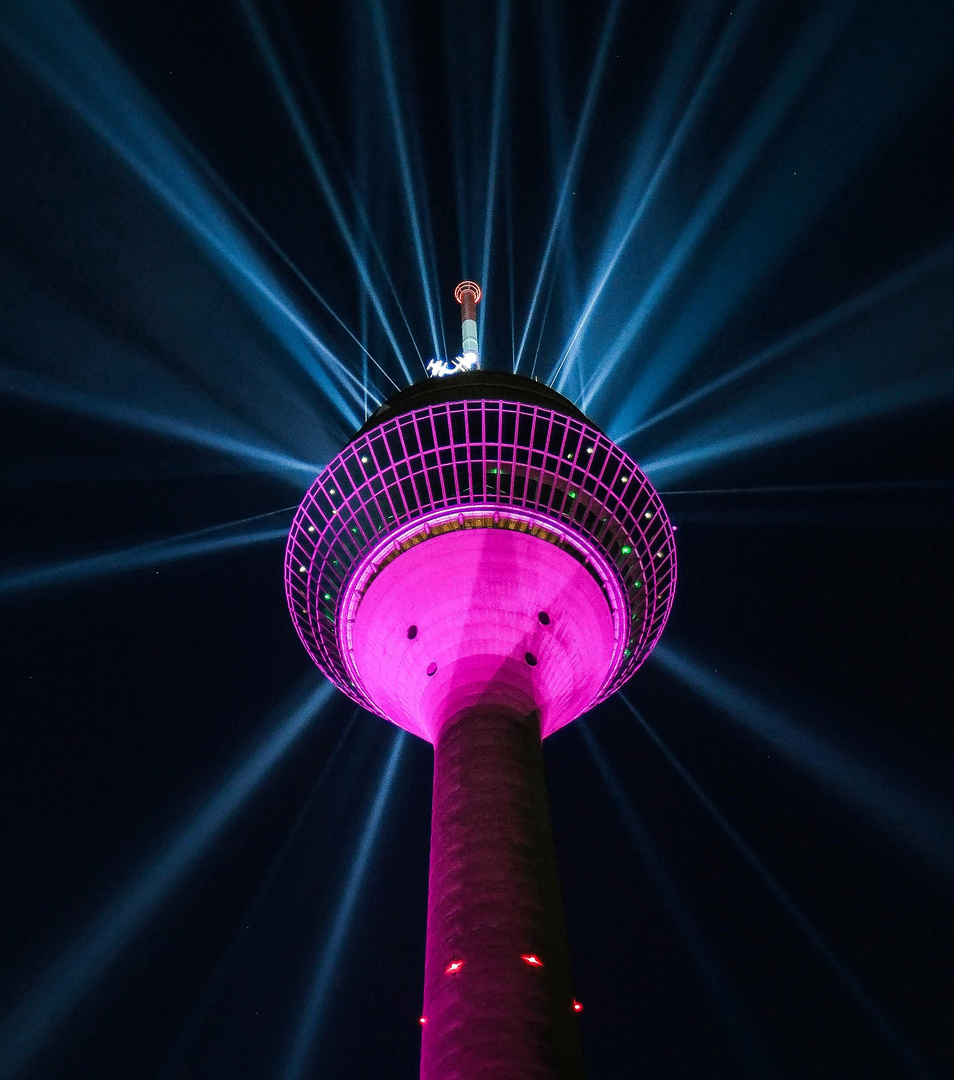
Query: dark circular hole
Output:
(544,618)
(431,667)
(412,632)
(531,659)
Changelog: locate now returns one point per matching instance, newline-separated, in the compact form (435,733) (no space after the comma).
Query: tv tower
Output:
(481,565)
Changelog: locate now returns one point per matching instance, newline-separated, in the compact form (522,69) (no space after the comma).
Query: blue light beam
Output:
(497,100)
(404,160)
(307,1029)
(801,62)
(859,995)
(928,389)
(217,538)
(724,997)
(721,56)
(906,504)
(800,177)
(808,332)
(511,274)
(668,110)
(579,140)
(34,1021)
(459,49)
(293,267)
(851,486)
(172,1067)
(564,259)
(62,48)
(56,395)
(296,117)
(887,358)
(551,288)
(884,802)
(358,195)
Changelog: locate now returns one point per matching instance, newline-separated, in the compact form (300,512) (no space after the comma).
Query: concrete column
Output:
(495,898)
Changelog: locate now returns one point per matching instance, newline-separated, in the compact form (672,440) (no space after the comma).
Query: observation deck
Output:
(479,451)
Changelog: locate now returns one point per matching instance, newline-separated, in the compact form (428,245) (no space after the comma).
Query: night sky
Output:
(227,231)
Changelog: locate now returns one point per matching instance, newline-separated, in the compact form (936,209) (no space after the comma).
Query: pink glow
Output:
(475,596)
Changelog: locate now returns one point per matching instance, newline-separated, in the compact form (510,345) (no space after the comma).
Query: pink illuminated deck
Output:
(490,456)
(458,619)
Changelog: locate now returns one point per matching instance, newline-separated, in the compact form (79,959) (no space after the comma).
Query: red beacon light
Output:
(422,1020)
(465,287)
(453,967)
(531,960)
(577,1007)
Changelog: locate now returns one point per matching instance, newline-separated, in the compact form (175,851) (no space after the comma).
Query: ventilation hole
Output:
(544,618)
(531,659)
(431,667)
(412,632)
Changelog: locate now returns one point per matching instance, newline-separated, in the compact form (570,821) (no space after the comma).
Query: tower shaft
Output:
(494,901)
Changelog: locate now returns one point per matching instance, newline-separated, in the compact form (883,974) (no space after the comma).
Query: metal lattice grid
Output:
(576,488)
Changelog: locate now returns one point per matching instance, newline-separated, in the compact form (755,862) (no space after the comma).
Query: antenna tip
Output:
(467,286)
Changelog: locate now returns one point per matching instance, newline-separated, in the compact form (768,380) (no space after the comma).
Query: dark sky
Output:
(769,895)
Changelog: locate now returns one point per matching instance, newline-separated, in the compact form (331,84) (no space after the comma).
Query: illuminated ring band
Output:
(467,286)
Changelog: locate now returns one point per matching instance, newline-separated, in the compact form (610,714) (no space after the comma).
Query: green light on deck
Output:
(626,549)
(572,494)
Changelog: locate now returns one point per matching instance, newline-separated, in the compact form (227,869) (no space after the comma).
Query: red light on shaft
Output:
(531,960)
(453,967)
(577,1007)
(422,1020)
